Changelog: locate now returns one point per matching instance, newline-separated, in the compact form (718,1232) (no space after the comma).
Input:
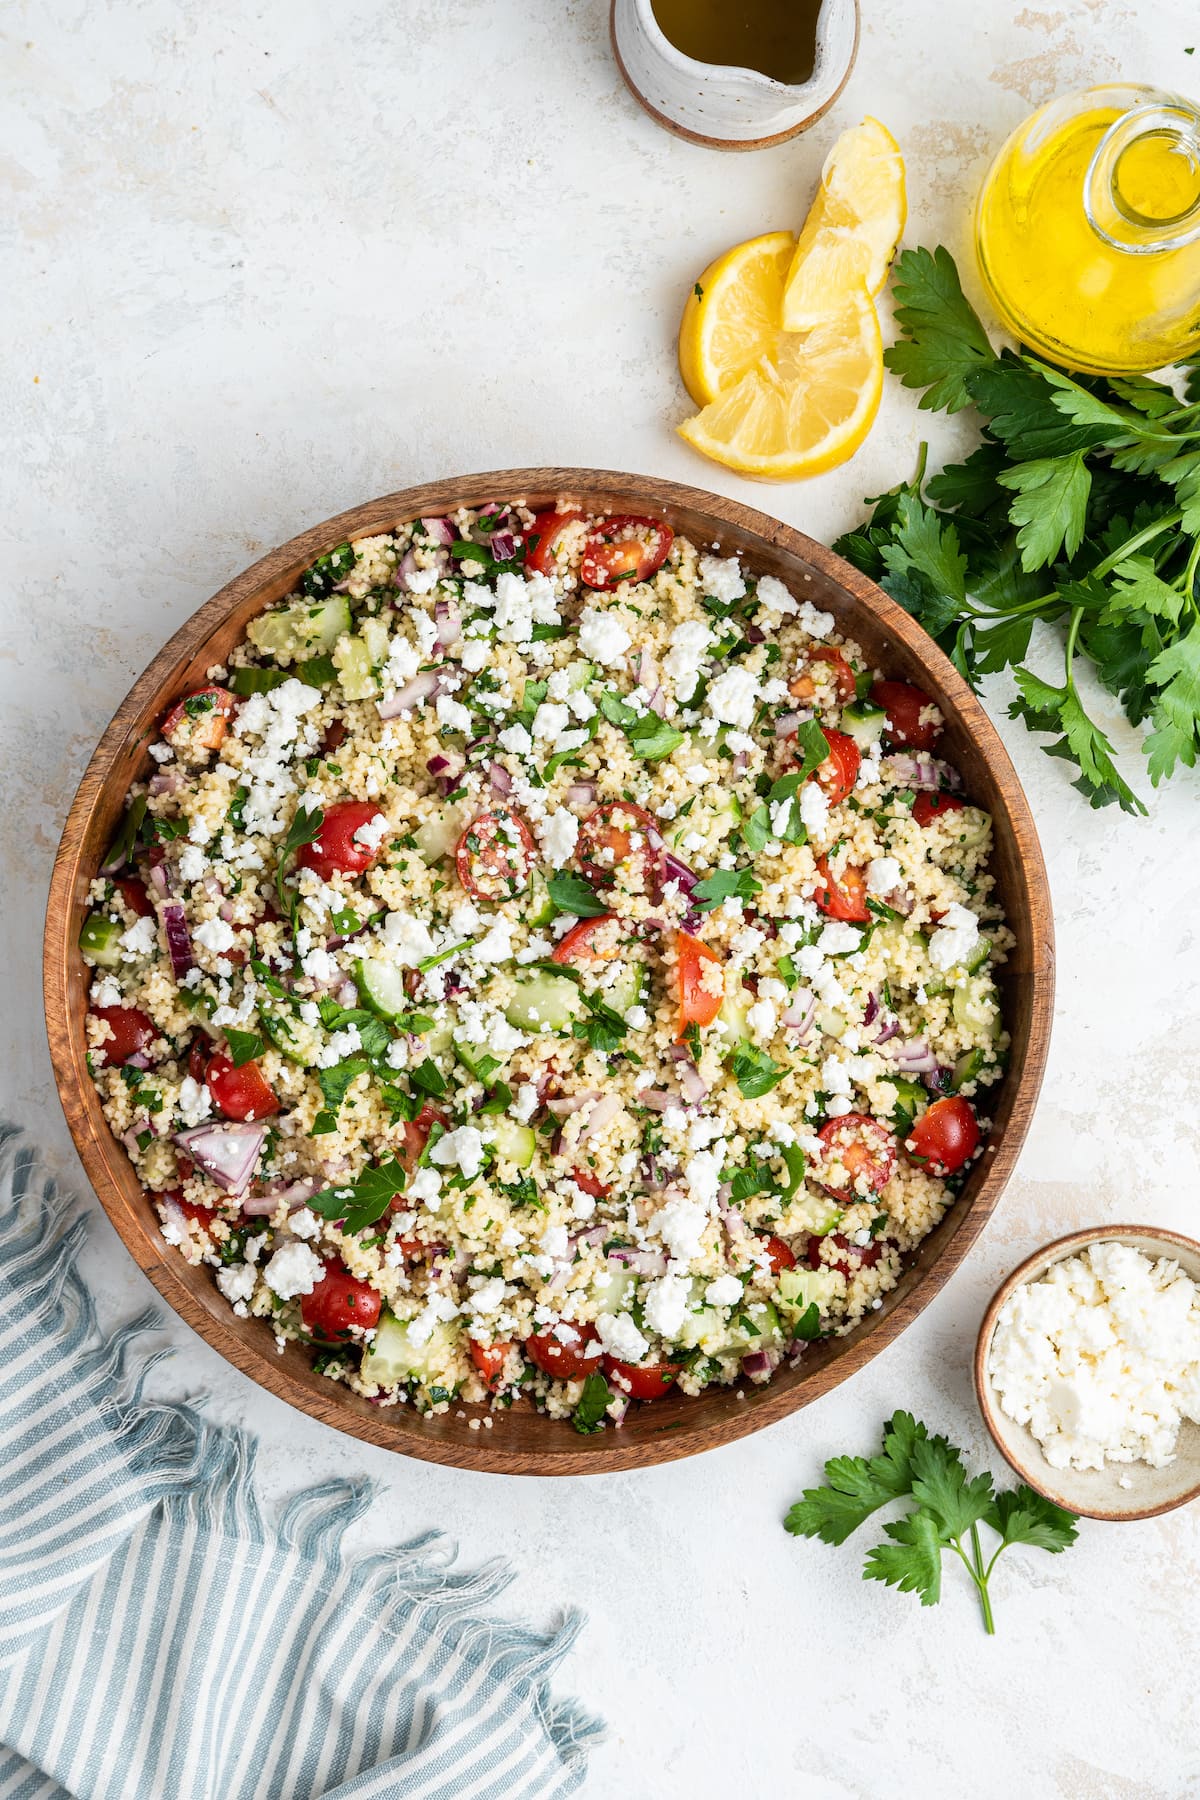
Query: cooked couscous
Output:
(547,960)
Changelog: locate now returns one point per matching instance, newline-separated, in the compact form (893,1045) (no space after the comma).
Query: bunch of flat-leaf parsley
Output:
(946,1514)
(1080,507)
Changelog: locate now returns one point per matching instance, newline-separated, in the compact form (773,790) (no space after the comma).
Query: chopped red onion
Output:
(755,634)
(872,1012)
(499,779)
(788,724)
(912,771)
(407,569)
(166,781)
(640,1262)
(564,1104)
(293,1194)
(226,911)
(414,693)
(158,877)
(449,624)
(440,530)
(657,1099)
(595,1234)
(227,1153)
(130,1138)
(139,1060)
(759,1364)
(179,938)
(741,759)
(914,1057)
(502,545)
(604,1111)
(935,1079)
(447,771)
(692,1083)
(799,1016)
(672,869)
(581,793)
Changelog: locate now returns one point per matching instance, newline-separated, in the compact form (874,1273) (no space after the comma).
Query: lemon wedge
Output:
(851,233)
(731,318)
(804,406)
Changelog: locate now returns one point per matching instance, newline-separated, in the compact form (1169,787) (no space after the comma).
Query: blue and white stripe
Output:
(160,1641)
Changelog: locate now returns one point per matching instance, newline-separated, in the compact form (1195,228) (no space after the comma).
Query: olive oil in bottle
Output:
(776,37)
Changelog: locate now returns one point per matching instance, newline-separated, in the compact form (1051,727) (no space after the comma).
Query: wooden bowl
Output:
(1094,1493)
(523,1442)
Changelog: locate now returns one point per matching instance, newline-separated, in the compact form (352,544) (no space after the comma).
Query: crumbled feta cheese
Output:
(195,1101)
(665,1305)
(680,1224)
(462,1148)
(956,937)
(106,992)
(141,939)
(621,1337)
(496,947)
(516,740)
(761,1018)
(837,938)
(722,578)
(237,1282)
(883,875)
(407,938)
(814,808)
(602,637)
(691,641)
(294,1269)
(731,697)
(817,624)
(425,1186)
(557,834)
(774,599)
(489,1298)
(525,1103)
(193,864)
(452,715)
(835,1078)
(549,719)
(726,1290)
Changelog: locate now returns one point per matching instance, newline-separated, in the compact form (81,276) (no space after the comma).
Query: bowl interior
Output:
(525,1442)
(1120,1490)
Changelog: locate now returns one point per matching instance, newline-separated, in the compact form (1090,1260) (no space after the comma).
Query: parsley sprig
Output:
(1080,508)
(946,1514)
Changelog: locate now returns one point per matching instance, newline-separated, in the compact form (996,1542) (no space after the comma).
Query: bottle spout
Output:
(1142,187)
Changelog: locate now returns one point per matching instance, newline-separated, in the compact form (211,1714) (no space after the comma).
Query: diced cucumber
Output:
(580,673)
(512,1142)
(832,1023)
(541,907)
(100,939)
(438,1041)
(702,1323)
(976,1006)
(617,1295)
(437,835)
(801,1288)
(733,1016)
(305,629)
(754,1326)
(394,1358)
(971,827)
(819,1214)
(545,1002)
(352,660)
(912,1097)
(864,722)
(628,989)
(294,1039)
(381,985)
(374,634)
(979,957)
(967,1068)
(255,681)
(477,1059)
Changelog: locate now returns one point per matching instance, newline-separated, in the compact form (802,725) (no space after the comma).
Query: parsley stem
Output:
(1145,536)
(1072,635)
(985,1599)
(1188,583)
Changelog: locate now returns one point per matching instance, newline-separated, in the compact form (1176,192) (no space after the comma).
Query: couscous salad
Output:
(547,960)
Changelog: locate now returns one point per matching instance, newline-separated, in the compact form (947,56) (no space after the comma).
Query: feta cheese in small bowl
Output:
(1087,1370)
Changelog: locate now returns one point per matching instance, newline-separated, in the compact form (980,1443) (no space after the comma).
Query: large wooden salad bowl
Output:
(523,1442)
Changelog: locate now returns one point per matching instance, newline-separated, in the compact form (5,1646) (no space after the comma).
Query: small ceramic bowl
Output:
(1095,1493)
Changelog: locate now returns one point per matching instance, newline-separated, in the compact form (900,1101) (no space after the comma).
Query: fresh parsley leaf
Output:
(756,830)
(428,1078)
(725,884)
(808,1326)
(305,828)
(912,1562)
(1051,506)
(943,340)
(603,1029)
(572,894)
(755,1072)
(365,1199)
(650,737)
(327,571)
(592,1404)
(244,1046)
(1023,1517)
(335,1082)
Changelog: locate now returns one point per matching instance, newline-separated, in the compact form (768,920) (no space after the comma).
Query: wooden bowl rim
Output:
(1042,1260)
(485,1450)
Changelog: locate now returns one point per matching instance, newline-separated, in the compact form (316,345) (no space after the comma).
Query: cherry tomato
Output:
(589,942)
(701,991)
(547,528)
(928,807)
(591,1184)
(864,1148)
(781,1257)
(416,1136)
(133,891)
(839,772)
(239,1093)
(617,833)
(131,1032)
(184,1165)
(489,1359)
(903,705)
(641,1381)
(803,687)
(200,720)
(844,898)
(336,848)
(566,1362)
(851,1257)
(495,855)
(627,547)
(339,1301)
(945,1136)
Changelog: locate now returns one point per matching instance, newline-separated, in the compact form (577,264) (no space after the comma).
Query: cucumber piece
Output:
(864,722)
(911,1097)
(290,1035)
(438,1041)
(352,660)
(541,907)
(100,940)
(967,1068)
(971,827)
(545,1002)
(513,1143)
(979,957)
(754,1326)
(580,673)
(393,1358)
(628,989)
(437,835)
(820,1214)
(477,1059)
(801,1288)
(976,1006)
(703,1323)
(255,681)
(381,985)
(304,629)
(832,1023)
(735,1007)
(616,1297)
(374,634)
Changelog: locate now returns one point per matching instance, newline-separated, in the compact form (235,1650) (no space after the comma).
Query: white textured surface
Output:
(262,264)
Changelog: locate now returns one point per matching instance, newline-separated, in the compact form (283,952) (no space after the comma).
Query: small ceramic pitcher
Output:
(730,108)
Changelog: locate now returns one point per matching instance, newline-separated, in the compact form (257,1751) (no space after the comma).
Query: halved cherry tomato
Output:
(200,720)
(803,687)
(184,1165)
(863,1147)
(133,892)
(416,1136)
(489,1359)
(701,994)
(547,528)
(844,898)
(945,1136)
(851,1257)
(627,547)
(565,1361)
(641,1381)
(617,833)
(191,1209)
(495,855)
(131,1031)
(904,705)
(781,1257)
(339,1301)
(928,807)
(580,945)
(336,847)
(239,1093)
(591,1184)
(839,772)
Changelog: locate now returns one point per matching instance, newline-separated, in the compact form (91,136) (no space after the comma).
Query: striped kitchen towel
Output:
(160,1639)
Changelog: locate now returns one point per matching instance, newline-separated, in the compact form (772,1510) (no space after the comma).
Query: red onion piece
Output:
(293,1194)
(740,761)
(788,724)
(179,938)
(446,770)
(581,793)
(449,624)
(799,1016)
(414,693)
(657,1099)
(912,771)
(226,911)
(604,1111)
(672,869)
(914,1057)
(499,779)
(760,1364)
(139,1060)
(228,1154)
(640,1262)
(440,530)
(502,545)
(158,877)
(564,1104)
(167,781)
(692,1083)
